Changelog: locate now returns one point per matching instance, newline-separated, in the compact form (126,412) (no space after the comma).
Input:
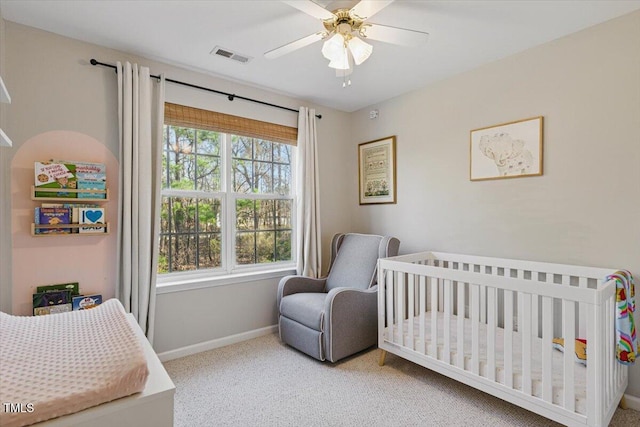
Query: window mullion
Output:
(229,222)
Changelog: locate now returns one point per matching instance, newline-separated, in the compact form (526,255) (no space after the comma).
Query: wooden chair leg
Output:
(623,403)
(383,355)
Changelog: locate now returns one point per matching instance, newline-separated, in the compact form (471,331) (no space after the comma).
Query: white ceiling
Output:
(463,36)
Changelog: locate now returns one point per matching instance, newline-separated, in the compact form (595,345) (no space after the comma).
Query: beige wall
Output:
(54,88)
(584,210)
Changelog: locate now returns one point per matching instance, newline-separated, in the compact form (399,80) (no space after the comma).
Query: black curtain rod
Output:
(230,96)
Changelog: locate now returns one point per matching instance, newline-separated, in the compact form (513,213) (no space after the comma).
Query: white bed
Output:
(490,322)
(92,367)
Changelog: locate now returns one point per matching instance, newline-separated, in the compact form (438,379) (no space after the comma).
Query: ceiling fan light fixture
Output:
(333,48)
(360,50)
(341,63)
(345,32)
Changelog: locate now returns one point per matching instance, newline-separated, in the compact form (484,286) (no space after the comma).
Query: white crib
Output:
(489,323)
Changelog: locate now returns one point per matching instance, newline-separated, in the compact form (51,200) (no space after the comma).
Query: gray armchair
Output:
(335,317)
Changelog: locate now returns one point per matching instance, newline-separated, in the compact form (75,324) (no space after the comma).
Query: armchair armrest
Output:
(351,321)
(296,284)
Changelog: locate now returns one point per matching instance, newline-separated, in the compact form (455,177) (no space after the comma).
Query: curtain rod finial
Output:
(93,62)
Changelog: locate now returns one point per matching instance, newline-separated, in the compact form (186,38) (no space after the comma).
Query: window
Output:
(227,200)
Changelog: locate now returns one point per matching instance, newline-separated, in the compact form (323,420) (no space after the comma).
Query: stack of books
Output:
(59,214)
(61,298)
(68,175)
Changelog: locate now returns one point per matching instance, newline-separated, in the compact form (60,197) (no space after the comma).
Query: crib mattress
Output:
(63,363)
(580,371)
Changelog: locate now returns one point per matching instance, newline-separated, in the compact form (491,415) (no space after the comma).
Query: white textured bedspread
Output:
(63,363)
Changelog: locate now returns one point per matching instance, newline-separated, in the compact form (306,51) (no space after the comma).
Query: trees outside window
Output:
(227,201)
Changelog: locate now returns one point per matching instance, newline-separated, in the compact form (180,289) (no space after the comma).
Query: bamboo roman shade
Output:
(180,115)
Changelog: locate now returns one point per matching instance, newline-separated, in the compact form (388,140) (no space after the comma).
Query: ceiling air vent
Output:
(226,53)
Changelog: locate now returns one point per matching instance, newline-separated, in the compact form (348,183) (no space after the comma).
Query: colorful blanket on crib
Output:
(626,340)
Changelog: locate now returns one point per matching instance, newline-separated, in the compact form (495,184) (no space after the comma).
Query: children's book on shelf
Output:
(75,215)
(72,286)
(91,176)
(85,302)
(52,216)
(55,175)
(51,302)
(86,168)
(53,309)
(92,185)
(91,216)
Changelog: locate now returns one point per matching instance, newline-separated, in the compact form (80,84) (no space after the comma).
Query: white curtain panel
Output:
(309,245)
(141,117)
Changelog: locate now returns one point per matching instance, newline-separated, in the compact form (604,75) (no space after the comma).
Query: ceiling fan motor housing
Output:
(343,23)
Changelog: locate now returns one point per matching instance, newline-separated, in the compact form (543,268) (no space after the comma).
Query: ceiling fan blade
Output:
(294,45)
(400,36)
(367,8)
(311,8)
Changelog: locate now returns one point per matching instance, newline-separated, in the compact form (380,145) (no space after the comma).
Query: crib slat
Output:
(461,305)
(526,342)
(483,298)
(410,309)
(569,326)
(475,332)
(441,294)
(400,308)
(566,281)
(594,365)
(434,317)
(608,343)
(535,305)
(422,292)
(547,348)
(482,290)
(390,322)
(491,333)
(448,301)
(508,338)
(592,370)
(520,275)
(582,310)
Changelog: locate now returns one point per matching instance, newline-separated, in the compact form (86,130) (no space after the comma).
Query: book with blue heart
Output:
(91,216)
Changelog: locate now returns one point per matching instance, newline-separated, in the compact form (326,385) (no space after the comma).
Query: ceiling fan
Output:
(345,31)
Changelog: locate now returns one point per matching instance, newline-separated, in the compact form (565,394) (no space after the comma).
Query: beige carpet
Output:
(262,382)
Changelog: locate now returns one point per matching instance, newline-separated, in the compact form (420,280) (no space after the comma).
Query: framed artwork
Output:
(507,150)
(377,171)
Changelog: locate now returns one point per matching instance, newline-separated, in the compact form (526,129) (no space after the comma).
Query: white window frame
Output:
(229,271)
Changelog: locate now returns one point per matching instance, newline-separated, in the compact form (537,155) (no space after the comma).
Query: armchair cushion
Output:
(305,308)
(355,262)
(294,284)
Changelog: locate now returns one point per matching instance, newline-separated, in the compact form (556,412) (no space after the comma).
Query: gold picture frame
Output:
(377,171)
(507,150)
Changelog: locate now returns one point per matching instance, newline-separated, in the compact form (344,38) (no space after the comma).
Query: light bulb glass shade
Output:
(360,50)
(343,62)
(333,49)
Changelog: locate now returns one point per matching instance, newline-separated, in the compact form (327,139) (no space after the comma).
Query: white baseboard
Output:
(217,343)
(632,402)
